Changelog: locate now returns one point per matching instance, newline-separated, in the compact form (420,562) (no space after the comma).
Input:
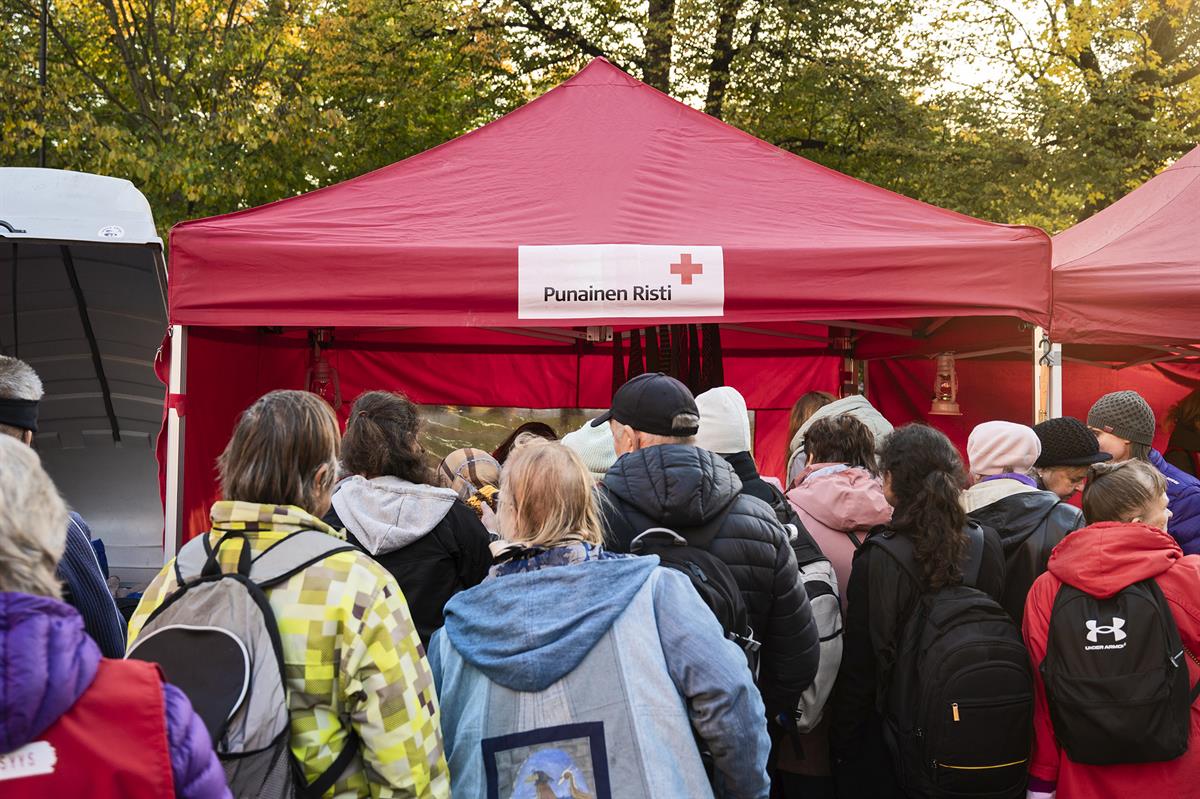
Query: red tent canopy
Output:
(418,267)
(1130,274)
(603,158)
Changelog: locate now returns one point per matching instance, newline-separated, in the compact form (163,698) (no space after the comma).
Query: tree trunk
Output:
(722,57)
(660,37)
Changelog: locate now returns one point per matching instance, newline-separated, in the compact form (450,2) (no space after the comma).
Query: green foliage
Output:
(212,106)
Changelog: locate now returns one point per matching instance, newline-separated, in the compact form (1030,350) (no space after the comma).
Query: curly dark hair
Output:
(381,438)
(841,439)
(926,478)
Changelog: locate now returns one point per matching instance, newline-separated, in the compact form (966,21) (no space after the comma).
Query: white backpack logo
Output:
(1095,630)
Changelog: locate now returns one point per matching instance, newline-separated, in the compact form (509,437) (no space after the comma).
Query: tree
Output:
(1107,91)
(211,106)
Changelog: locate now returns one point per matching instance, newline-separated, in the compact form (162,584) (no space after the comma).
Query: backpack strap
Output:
(304,548)
(900,547)
(318,787)
(974,555)
(190,560)
(198,558)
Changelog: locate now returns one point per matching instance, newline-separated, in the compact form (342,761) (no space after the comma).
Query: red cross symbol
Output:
(685,269)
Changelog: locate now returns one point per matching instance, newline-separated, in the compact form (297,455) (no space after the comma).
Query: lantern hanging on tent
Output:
(322,377)
(945,388)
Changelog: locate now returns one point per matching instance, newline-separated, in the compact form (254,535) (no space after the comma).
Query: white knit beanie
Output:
(1000,447)
(724,421)
(595,446)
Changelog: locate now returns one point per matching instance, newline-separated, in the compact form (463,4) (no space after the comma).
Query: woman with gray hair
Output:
(73,723)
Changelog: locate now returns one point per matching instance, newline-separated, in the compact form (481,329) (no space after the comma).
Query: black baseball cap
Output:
(649,403)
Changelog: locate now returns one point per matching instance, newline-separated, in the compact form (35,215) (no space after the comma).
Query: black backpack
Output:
(957,703)
(1116,677)
(709,575)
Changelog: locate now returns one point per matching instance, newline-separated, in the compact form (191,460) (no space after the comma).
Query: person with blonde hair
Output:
(574,666)
(74,723)
(355,673)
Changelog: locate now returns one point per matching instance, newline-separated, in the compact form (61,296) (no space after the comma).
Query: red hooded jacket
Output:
(1101,560)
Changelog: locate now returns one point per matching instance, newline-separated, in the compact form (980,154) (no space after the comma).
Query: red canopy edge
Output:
(603,158)
(1130,274)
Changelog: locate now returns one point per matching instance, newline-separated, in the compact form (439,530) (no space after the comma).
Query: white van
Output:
(83,301)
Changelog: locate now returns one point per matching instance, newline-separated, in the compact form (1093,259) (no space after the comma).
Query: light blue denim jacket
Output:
(587,676)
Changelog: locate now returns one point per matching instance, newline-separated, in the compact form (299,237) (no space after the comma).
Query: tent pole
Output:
(1047,377)
(176,411)
(1041,379)
(1056,380)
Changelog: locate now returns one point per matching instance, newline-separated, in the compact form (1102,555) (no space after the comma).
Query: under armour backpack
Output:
(709,576)
(216,639)
(1116,677)
(957,702)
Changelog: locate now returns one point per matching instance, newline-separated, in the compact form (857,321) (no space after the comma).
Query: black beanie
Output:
(1067,442)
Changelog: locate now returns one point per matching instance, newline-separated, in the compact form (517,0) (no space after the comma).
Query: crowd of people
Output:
(630,611)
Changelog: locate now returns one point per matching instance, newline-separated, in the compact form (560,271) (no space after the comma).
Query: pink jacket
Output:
(834,500)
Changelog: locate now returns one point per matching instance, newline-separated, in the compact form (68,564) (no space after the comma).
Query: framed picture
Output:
(564,762)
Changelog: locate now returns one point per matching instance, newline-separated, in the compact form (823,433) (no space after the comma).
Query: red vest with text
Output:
(111,744)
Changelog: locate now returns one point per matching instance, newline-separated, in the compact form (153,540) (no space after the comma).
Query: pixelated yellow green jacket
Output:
(350,651)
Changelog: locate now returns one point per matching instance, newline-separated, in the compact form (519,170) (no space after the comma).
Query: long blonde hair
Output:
(547,497)
(33,523)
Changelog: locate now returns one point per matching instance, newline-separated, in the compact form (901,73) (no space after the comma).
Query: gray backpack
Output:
(820,584)
(216,639)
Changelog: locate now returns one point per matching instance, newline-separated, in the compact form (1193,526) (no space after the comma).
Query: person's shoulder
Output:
(357,567)
(993,547)
(1183,481)
(332,518)
(754,522)
(1067,515)
(78,528)
(747,506)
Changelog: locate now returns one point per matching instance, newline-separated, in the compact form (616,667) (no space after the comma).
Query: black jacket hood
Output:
(678,485)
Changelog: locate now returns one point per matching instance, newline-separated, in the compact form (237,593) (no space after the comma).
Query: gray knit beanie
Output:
(1124,414)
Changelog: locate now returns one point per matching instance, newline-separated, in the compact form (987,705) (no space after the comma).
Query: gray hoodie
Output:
(387,513)
(855,405)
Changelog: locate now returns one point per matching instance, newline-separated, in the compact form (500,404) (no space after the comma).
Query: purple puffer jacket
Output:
(47,661)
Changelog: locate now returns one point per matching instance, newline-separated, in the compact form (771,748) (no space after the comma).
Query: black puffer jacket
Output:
(681,488)
(1030,525)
